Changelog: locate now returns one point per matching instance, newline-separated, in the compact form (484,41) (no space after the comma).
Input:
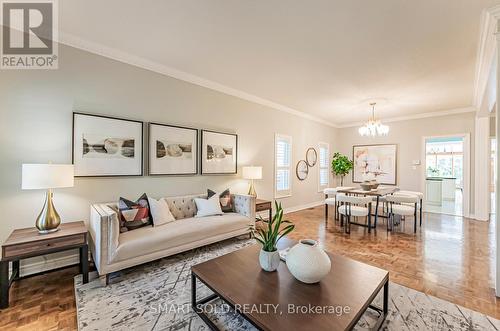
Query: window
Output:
(324,166)
(282,166)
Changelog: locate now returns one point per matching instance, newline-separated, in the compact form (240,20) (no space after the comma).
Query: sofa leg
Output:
(104,279)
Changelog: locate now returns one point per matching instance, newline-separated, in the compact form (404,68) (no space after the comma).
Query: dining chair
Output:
(331,194)
(420,196)
(402,205)
(353,206)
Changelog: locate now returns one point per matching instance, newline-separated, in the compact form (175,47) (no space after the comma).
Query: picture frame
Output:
(219,153)
(172,150)
(105,146)
(379,159)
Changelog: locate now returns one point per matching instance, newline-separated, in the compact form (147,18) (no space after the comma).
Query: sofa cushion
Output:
(134,214)
(150,239)
(226,203)
(208,207)
(183,206)
(160,211)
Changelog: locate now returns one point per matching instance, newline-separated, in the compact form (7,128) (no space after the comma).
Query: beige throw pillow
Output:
(160,212)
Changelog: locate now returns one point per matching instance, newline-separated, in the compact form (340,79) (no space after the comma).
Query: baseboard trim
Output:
(302,207)
(265,214)
(47,264)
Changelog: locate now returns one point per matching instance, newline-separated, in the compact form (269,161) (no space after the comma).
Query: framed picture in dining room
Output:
(219,152)
(173,150)
(105,146)
(379,160)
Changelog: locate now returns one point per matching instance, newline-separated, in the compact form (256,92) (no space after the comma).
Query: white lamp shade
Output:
(46,176)
(252,172)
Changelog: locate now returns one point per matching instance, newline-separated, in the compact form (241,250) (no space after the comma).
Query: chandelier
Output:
(373,127)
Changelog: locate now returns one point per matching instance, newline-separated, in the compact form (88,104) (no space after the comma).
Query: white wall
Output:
(408,136)
(36,115)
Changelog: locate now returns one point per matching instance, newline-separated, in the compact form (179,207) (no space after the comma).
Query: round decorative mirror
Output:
(311,157)
(302,170)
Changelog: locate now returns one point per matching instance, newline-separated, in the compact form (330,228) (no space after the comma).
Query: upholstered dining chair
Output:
(331,200)
(353,206)
(402,205)
(420,196)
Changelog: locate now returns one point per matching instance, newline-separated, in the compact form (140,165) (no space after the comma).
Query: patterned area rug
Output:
(156,296)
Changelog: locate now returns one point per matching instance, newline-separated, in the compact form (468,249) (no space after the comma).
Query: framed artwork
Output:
(173,150)
(106,146)
(219,153)
(380,160)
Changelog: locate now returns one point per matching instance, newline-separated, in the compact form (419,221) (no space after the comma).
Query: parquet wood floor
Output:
(450,257)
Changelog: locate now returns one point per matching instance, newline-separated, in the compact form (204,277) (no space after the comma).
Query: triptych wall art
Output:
(109,146)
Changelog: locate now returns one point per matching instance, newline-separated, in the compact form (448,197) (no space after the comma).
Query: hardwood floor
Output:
(44,302)
(450,257)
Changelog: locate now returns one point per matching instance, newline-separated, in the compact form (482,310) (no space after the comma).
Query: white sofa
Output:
(113,251)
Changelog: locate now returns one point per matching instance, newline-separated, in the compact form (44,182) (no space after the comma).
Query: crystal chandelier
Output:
(373,127)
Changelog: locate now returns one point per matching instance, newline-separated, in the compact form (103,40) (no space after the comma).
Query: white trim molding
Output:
(302,207)
(416,116)
(485,52)
(140,62)
(482,168)
(143,63)
(30,267)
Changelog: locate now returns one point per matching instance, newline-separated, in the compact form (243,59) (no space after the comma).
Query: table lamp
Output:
(47,176)
(252,173)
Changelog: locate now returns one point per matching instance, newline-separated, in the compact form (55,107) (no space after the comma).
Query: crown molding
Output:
(485,52)
(140,62)
(415,117)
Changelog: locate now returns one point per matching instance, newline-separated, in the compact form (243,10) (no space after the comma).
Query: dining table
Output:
(377,193)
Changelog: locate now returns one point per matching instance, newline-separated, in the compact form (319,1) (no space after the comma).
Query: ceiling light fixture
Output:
(373,127)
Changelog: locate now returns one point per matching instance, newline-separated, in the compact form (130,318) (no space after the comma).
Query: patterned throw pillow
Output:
(225,200)
(134,215)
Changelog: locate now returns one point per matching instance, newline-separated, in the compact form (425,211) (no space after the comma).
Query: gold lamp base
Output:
(48,221)
(251,189)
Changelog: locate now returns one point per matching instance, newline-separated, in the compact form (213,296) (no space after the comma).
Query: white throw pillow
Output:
(160,212)
(208,207)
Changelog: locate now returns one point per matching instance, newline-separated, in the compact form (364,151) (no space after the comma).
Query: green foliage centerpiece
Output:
(341,165)
(268,236)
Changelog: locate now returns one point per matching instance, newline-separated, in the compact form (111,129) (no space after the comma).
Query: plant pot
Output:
(307,262)
(269,261)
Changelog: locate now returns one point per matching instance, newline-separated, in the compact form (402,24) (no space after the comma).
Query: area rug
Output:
(156,296)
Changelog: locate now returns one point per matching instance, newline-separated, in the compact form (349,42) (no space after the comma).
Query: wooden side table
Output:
(262,205)
(24,243)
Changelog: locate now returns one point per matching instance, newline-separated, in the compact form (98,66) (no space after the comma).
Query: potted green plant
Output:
(269,235)
(341,165)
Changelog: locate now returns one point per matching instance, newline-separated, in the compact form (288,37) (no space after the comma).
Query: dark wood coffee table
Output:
(238,280)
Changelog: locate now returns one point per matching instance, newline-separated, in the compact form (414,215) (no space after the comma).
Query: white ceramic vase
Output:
(269,261)
(308,262)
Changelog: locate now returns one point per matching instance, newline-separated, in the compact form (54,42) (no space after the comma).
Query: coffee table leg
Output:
(385,307)
(4,284)
(197,305)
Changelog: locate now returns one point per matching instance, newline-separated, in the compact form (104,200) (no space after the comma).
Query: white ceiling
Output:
(327,59)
